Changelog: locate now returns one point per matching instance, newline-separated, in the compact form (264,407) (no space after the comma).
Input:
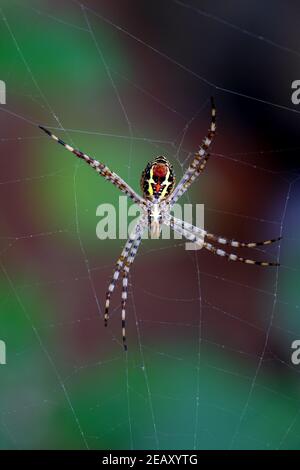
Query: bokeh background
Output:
(209,361)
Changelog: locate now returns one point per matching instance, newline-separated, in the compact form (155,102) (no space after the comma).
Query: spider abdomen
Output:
(158,179)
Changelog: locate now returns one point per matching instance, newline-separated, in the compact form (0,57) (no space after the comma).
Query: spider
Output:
(159,196)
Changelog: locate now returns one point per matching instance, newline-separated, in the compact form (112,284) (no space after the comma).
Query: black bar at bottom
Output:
(135,458)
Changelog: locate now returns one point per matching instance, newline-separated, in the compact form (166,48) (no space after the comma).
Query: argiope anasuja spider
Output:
(159,196)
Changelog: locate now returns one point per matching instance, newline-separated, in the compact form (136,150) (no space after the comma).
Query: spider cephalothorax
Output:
(159,196)
(158,179)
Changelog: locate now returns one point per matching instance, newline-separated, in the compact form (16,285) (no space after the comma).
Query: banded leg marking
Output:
(119,265)
(101,169)
(126,268)
(220,239)
(200,160)
(216,251)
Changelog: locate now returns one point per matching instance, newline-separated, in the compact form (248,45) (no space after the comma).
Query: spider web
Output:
(209,360)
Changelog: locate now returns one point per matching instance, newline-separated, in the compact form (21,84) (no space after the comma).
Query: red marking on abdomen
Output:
(160,170)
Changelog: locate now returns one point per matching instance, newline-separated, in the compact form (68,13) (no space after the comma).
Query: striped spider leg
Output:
(101,169)
(127,265)
(199,162)
(199,236)
(123,264)
(220,239)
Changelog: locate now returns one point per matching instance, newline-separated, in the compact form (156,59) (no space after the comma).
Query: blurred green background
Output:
(209,361)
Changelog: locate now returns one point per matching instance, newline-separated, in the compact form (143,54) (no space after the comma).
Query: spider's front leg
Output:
(208,246)
(125,260)
(126,268)
(219,239)
(120,263)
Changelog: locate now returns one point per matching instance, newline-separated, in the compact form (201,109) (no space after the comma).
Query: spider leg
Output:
(233,257)
(185,186)
(216,251)
(120,263)
(200,160)
(220,239)
(101,169)
(126,268)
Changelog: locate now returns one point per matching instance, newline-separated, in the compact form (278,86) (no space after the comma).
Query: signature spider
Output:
(159,196)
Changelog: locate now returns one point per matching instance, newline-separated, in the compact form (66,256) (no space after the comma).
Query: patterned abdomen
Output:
(158,179)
